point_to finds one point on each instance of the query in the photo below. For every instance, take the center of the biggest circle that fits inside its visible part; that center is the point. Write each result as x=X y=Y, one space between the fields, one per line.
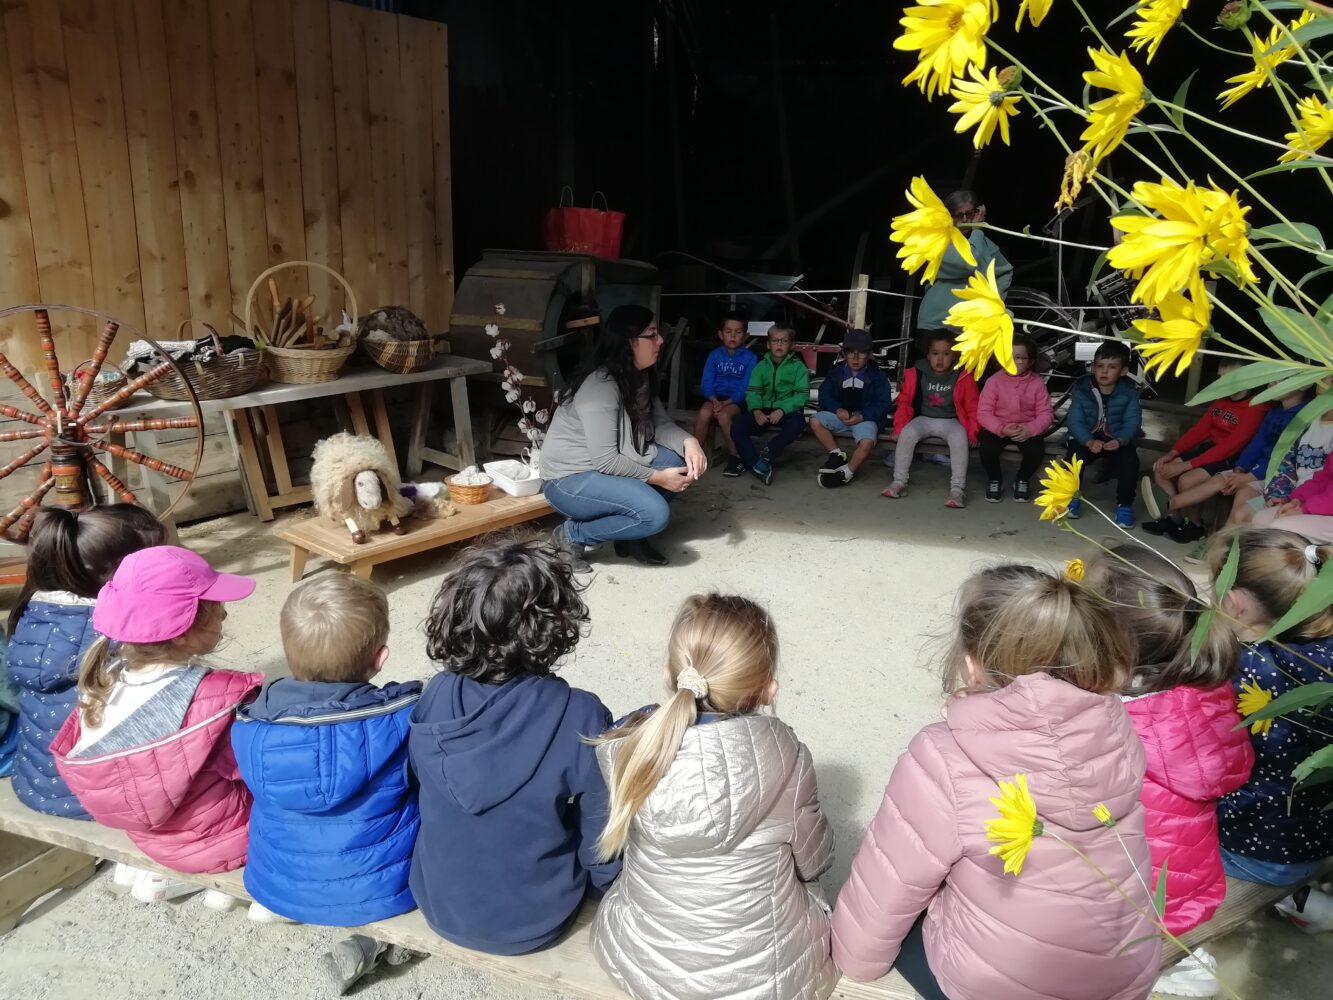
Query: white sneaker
x=1194 y=976
x=1317 y=915
x=261 y=914
x=216 y=899
x=123 y=876
x=150 y=887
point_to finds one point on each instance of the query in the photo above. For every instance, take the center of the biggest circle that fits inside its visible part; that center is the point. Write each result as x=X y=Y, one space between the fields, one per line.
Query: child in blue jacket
x=1105 y=417
x=854 y=399
x=512 y=800
x=725 y=379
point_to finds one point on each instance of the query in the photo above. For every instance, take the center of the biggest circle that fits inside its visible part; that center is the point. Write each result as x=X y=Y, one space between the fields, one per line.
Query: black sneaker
x=1160 y=526
x=835 y=461
x=734 y=467
x=832 y=479
x=1186 y=532
x=1022 y=489
x=993 y=489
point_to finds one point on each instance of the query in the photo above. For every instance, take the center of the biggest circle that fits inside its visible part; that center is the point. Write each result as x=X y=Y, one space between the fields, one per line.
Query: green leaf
x=1227 y=578
x=1127 y=12
x=1301 y=233
x=1242 y=379
x=1305 y=416
x=1279 y=389
x=1318 y=28
x=1318 y=595
x=1317 y=761
x=1318 y=272
x=1282 y=168
x=1324 y=314
x=1200 y=633
x=1223 y=268
x=1305 y=696
x=1159 y=891
x=1297 y=332
x=1181 y=100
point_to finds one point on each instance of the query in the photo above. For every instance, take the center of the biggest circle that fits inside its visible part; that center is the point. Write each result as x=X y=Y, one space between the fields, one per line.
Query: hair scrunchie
x=692 y=681
x=1312 y=556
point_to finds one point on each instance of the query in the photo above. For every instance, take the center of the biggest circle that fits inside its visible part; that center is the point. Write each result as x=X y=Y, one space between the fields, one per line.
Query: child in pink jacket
x=1184 y=710
x=149 y=749
x=1035 y=672
x=1308 y=511
x=1015 y=410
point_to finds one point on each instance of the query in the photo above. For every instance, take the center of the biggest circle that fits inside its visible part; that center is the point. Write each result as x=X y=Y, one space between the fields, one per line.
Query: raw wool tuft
x=337 y=460
x=392 y=323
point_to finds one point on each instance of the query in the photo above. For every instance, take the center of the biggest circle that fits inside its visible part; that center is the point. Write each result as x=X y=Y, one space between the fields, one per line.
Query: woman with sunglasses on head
x=613 y=458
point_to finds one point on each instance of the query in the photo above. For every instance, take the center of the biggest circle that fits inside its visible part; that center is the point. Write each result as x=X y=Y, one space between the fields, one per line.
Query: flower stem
x=1315 y=75
x=1234 y=131
x=1035 y=78
x=1096 y=32
x=1182 y=23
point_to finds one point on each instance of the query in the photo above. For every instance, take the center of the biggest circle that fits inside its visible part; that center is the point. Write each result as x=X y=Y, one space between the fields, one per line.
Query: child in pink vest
x=1015 y=410
x=149 y=749
x=1184 y=710
x=1036 y=669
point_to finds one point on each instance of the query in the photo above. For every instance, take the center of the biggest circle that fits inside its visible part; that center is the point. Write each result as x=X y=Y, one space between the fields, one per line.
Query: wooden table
x=333 y=541
x=246 y=433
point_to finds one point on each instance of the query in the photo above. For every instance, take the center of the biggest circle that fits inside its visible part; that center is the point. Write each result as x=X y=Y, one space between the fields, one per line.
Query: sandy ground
x=860 y=588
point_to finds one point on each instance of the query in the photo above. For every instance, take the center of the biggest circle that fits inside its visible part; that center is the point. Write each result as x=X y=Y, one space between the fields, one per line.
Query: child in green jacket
x=779 y=389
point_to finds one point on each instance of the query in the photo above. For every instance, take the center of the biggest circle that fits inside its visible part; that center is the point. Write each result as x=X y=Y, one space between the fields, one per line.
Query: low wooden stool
x=29 y=869
x=333 y=541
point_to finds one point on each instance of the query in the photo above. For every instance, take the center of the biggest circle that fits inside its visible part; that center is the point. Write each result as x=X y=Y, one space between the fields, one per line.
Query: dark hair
x=1158 y=607
x=1113 y=350
x=732 y=316
x=957 y=199
x=614 y=355
x=934 y=337
x=1023 y=340
x=510 y=607
x=80 y=552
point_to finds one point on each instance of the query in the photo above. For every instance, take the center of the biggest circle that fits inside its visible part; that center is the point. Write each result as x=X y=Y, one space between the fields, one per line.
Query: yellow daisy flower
x=1193 y=227
x=986 y=104
x=1109 y=119
x=947 y=36
x=988 y=329
x=1313 y=130
x=1074 y=570
x=1265 y=62
x=1061 y=487
x=1177 y=335
x=1017 y=825
x=1103 y=815
x=1036 y=11
x=1252 y=698
x=927 y=232
x=1156 y=18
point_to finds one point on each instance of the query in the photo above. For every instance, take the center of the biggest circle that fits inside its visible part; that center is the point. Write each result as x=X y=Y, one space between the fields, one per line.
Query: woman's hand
x=696 y=462
x=676 y=480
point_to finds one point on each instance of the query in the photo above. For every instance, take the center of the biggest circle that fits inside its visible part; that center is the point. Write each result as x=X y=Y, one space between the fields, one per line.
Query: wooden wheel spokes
x=27 y=507
x=26 y=388
x=52 y=363
x=123 y=492
x=148 y=378
x=87 y=379
x=21 y=435
x=17 y=414
x=114 y=426
x=25 y=458
x=155 y=464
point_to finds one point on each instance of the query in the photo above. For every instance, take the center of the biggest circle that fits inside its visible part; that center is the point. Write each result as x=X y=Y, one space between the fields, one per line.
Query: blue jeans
x=604 y=508
x=1274 y=873
x=743 y=430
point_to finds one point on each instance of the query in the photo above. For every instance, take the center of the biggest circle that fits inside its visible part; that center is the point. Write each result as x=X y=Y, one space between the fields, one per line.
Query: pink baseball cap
x=155 y=594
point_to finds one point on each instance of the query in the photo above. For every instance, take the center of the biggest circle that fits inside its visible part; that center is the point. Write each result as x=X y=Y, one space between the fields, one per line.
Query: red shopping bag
x=583 y=230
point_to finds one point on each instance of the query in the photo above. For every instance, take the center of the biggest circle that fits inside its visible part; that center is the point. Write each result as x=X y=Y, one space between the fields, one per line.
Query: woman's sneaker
x=994 y=489
x=1022 y=491
x=150 y=887
x=1194 y=976
x=835 y=461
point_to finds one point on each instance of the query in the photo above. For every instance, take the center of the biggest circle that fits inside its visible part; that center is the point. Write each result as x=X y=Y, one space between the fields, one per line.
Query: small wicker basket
x=296 y=366
x=469 y=494
x=103 y=388
x=403 y=357
x=225 y=376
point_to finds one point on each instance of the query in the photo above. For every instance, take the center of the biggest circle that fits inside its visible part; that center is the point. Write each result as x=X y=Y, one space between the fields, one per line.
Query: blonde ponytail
x=97 y=676
x=721 y=656
x=1274 y=568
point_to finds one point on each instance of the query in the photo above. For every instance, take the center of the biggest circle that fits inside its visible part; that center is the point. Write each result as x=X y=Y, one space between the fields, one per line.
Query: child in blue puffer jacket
x=70 y=557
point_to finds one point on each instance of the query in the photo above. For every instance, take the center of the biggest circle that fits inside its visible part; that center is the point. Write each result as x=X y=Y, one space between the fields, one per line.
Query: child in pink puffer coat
x=1035 y=672
x=1015 y=410
x=1184 y=709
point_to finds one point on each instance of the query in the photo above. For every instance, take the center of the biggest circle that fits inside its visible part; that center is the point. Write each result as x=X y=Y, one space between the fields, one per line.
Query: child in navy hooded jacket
x=324 y=752
x=512 y=800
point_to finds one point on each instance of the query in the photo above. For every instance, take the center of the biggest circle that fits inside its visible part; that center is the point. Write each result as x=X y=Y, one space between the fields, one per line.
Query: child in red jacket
x=1208 y=448
x=1184 y=711
x=937 y=401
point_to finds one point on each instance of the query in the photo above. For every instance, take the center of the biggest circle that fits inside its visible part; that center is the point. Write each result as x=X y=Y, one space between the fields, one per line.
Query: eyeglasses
x=655 y=335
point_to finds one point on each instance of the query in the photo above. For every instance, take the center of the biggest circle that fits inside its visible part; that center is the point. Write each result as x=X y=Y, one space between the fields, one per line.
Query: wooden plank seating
x=333 y=541
x=568 y=967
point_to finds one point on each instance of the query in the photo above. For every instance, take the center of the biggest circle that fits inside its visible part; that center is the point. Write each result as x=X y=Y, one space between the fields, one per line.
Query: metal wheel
x=75 y=433
x=1035 y=313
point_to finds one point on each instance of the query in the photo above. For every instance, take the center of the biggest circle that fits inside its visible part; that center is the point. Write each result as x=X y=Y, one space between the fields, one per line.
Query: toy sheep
x=354 y=483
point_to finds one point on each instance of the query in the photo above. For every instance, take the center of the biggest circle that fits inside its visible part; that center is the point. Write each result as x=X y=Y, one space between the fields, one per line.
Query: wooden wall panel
x=418 y=169
x=386 y=160
x=351 y=104
x=18 y=259
x=443 y=286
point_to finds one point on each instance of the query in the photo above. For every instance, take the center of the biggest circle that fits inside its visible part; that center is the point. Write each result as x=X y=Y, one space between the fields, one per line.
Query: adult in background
x=954 y=271
x=613 y=458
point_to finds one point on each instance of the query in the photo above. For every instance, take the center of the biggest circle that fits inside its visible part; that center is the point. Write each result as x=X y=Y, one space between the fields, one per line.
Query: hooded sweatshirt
x=1226 y=428
x=512 y=804
x=1056 y=930
x=335 y=812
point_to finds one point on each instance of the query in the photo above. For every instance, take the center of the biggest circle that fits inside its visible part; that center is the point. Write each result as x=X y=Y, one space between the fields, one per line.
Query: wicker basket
x=226 y=375
x=294 y=365
x=103 y=389
x=468 y=495
x=403 y=357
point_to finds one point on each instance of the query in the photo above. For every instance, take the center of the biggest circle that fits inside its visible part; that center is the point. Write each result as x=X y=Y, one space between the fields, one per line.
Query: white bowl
x=506 y=475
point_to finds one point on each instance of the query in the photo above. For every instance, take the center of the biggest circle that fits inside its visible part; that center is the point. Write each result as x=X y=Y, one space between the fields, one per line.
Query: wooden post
x=856 y=304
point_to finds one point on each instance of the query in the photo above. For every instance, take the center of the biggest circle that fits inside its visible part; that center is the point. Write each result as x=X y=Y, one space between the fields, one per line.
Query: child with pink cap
x=149 y=750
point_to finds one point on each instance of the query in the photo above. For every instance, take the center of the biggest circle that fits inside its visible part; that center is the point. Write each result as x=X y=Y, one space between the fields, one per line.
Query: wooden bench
x=333 y=541
x=567 y=967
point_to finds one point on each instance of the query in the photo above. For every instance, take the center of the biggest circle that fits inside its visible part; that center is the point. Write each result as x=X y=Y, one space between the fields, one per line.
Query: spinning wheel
x=74 y=430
